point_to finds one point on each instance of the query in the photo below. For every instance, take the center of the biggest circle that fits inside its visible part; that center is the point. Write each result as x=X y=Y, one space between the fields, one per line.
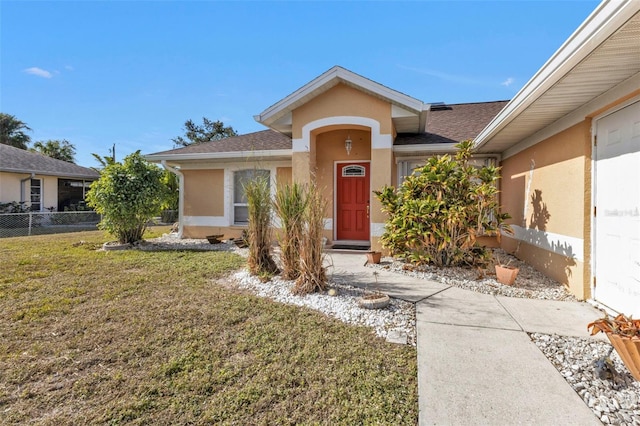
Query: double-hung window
x=240 y=205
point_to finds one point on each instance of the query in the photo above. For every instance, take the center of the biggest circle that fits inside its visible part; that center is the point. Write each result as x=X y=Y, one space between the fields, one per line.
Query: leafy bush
x=438 y=212
x=127 y=195
x=290 y=204
x=258 y=195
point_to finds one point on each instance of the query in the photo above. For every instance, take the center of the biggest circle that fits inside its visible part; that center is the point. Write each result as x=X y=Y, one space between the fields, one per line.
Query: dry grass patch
x=150 y=338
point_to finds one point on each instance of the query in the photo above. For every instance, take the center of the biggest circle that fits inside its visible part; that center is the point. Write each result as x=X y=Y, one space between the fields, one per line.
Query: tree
x=209 y=131
x=105 y=160
x=438 y=212
x=127 y=195
x=58 y=149
x=12 y=131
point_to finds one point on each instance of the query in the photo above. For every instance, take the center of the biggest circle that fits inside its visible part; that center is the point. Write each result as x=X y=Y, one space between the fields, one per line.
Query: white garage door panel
x=617 y=223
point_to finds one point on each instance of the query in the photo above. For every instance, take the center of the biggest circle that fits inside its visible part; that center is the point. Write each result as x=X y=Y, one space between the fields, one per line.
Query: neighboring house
x=42 y=182
x=570 y=145
x=356 y=136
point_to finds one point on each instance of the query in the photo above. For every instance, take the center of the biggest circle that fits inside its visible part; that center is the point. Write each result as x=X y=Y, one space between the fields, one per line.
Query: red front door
x=352 y=199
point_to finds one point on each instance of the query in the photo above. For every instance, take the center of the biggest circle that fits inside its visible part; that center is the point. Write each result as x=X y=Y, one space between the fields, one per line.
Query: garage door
x=617 y=220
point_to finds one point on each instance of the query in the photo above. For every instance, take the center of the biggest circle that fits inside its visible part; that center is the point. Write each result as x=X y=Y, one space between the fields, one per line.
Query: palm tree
x=12 y=131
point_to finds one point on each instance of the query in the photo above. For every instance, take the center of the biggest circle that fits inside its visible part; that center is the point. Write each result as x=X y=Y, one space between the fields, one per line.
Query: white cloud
x=39 y=72
x=454 y=78
x=508 y=82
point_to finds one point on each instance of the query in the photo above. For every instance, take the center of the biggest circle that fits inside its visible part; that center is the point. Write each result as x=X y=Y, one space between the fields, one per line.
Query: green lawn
x=158 y=338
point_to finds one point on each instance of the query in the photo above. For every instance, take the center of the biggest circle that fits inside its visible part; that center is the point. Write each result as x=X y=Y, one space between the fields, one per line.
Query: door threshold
x=360 y=245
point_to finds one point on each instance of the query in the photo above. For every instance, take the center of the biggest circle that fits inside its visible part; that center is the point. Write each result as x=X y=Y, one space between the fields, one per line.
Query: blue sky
x=131 y=73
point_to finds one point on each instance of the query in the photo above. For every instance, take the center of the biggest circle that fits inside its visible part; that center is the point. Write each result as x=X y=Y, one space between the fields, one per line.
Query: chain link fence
x=38 y=223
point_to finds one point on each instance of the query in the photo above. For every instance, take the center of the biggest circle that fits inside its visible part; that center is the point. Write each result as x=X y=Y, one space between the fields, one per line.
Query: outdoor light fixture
x=347 y=145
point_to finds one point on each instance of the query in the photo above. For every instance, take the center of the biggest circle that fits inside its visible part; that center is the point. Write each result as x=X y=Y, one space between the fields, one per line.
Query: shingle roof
x=454 y=123
x=446 y=124
x=21 y=161
x=264 y=140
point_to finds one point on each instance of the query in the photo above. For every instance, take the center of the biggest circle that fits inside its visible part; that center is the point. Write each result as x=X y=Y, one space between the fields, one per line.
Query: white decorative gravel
x=614 y=401
x=530 y=283
x=398 y=317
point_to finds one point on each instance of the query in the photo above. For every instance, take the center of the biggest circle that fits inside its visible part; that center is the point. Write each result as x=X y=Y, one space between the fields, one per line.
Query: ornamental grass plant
x=259 y=231
x=312 y=276
x=289 y=204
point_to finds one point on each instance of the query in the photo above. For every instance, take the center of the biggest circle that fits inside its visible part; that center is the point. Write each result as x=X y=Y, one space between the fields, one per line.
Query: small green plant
x=290 y=204
x=128 y=195
x=260 y=261
x=438 y=212
x=312 y=276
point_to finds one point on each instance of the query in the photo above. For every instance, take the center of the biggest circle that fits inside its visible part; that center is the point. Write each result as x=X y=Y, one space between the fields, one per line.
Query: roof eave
x=607 y=18
x=230 y=155
x=46 y=173
x=417 y=149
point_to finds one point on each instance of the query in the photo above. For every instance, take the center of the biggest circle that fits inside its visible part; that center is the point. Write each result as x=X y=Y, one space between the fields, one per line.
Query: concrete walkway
x=476 y=363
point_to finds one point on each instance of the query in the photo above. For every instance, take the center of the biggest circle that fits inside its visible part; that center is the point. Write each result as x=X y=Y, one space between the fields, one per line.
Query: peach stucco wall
x=284 y=176
x=546 y=189
x=204 y=192
x=342 y=100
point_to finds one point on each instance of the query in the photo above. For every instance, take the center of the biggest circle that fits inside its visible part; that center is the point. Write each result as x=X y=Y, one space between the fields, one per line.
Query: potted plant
x=624 y=334
x=505 y=273
x=374 y=256
x=375 y=300
x=215 y=239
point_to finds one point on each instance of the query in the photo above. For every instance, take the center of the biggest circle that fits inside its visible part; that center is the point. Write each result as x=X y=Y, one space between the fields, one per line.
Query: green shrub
x=127 y=195
x=289 y=204
x=258 y=194
x=438 y=212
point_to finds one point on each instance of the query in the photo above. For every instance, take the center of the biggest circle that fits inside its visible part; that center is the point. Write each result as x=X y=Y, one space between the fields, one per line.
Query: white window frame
x=407 y=166
x=40 y=195
x=234 y=203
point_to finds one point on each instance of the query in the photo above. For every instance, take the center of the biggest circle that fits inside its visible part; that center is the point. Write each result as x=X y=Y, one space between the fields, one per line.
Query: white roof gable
x=407 y=112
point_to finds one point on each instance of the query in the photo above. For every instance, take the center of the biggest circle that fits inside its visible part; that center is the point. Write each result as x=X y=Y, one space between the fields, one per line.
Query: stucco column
x=303 y=159
x=381 y=175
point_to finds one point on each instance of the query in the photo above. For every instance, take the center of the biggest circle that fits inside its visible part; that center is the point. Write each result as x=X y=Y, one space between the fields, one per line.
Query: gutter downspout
x=22 y=190
x=180 y=194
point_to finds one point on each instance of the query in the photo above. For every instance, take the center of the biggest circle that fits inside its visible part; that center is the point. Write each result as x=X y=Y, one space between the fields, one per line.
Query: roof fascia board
x=156 y=158
x=607 y=18
x=345 y=75
x=576 y=116
x=44 y=173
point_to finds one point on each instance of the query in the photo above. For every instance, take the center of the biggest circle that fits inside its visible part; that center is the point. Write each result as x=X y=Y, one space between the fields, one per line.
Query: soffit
x=611 y=63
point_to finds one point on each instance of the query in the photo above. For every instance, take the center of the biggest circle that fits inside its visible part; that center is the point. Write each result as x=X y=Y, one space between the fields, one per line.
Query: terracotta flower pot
x=506 y=274
x=374 y=256
x=629 y=350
